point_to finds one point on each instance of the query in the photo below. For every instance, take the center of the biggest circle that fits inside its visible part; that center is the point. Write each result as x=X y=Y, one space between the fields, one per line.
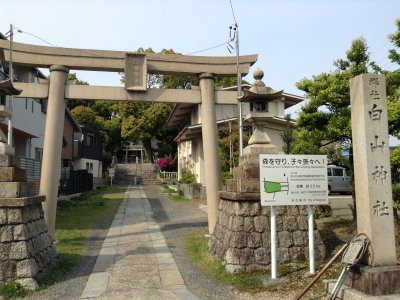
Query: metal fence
x=171 y=175
x=32 y=167
x=73 y=182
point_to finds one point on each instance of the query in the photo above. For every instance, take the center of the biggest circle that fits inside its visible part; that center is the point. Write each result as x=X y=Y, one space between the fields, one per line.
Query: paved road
x=340 y=205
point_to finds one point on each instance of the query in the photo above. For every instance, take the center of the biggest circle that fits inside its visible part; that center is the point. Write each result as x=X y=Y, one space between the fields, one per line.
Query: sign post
x=293 y=180
x=111 y=173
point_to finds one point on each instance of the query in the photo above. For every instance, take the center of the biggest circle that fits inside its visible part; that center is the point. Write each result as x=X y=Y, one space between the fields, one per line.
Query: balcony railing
x=32 y=167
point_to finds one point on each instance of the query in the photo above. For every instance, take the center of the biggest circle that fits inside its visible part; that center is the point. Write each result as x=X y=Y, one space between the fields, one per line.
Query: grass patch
x=196 y=245
x=176 y=196
x=12 y=290
x=75 y=219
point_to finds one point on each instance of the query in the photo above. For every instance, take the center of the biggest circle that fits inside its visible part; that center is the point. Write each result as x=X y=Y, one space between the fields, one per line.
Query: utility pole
x=239 y=92
x=10 y=97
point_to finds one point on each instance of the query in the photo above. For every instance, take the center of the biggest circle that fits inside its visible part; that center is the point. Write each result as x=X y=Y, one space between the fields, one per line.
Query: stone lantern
x=6 y=88
x=242 y=237
x=265 y=103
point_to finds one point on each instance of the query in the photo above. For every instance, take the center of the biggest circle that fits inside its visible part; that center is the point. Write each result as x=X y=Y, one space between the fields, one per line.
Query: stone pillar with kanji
x=373 y=187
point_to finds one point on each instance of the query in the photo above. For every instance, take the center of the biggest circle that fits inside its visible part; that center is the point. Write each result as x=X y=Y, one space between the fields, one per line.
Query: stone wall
x=27 y=251
x=146 y=174
x=193 y=191
x=242 y=236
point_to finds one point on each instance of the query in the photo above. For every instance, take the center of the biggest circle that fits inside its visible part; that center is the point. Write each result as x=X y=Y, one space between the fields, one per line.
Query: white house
x=187 y=117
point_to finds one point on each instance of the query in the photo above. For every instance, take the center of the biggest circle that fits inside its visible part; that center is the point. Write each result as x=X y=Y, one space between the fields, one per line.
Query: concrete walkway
x=135 y=261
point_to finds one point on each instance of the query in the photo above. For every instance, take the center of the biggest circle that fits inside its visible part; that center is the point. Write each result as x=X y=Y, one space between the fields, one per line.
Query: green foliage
x=228 y=138
x=75 y=219
x=227 y=81
x=395 y=165
x=176 y=196
x=322 y=211
x=144 y=121
x=12 y=290
x=287 y=135
x=102 y=116
x=71 y=104
x=87 y=117
x=188 y=177
x=396 y=195
x=226 y=175
x=334 y=155
x=196 y=245
x=325 y=118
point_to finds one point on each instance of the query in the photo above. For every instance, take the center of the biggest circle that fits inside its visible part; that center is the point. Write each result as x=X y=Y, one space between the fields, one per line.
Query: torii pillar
x=51 y=165
x=210 y=147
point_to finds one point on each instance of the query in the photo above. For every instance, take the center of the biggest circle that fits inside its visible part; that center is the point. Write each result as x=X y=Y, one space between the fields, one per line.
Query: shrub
x=166 y=163
x=188 y=177
x=225 y=176
x=396 y=195
x=322 y=211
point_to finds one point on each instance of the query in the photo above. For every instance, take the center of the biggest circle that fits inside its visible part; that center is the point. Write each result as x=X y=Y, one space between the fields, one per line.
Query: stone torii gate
x=61 y=60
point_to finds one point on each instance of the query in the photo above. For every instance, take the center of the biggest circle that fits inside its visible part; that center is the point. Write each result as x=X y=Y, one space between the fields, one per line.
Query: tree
x=87 y=117
x=287 y=135
x=145 y=121
x=325 y=119
x=71 y=104
x=101 y=118
x=393 y=92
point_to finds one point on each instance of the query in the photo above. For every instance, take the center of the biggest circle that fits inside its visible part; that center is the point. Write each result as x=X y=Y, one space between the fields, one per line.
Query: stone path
x=135 y=261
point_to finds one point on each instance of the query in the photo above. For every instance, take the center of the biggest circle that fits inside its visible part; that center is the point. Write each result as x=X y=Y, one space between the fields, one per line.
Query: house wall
x=190 y=153
x=87 y=164
x=68 y=151
x=222 y=112
x=84 y=149
x=28 y=116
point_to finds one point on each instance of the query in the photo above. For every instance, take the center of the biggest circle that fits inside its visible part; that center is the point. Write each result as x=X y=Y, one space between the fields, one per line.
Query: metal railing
x=171 y=175
x=32 y=167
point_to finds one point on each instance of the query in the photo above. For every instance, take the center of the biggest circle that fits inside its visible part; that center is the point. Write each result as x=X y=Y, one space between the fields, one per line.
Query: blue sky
x=294 y=39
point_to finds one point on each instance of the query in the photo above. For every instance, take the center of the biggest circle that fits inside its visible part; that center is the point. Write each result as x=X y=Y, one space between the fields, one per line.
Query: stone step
x=17 y=189
x=8 y=174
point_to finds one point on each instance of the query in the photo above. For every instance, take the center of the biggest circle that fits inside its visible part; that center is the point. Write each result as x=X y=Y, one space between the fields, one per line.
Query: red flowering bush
x=166 y=163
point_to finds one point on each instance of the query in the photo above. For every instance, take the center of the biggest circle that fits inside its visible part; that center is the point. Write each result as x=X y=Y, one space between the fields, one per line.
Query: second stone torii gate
x=61 y=60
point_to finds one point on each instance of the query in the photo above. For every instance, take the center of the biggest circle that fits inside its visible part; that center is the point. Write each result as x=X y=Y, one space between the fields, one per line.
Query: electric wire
x=380 y=48
x=94 y=54
x=391 y=65
x=233 y=13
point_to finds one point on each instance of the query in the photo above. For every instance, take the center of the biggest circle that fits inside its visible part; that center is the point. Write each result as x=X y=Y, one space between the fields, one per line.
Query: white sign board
x=111 y=172
x=293 y=179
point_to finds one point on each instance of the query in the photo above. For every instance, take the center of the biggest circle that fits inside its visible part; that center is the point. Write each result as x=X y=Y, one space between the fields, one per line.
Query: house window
x=2 y=99
x=43 y=105
x=90 y=141
x=89 y=166
x=39 y=153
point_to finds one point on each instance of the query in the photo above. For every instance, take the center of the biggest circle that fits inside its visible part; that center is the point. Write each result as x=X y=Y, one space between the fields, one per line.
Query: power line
x=91 y=53
x=391 y=65
x=233 y=13
x=380 y=48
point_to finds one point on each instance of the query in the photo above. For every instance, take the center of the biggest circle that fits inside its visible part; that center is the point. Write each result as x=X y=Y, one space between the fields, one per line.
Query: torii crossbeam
x=61 y=60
